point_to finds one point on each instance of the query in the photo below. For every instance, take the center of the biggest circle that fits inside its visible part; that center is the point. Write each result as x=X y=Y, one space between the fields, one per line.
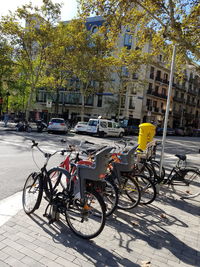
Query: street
x=17 y=162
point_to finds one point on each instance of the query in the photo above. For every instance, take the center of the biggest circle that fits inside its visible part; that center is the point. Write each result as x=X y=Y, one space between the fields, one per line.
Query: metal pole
x=167 y=108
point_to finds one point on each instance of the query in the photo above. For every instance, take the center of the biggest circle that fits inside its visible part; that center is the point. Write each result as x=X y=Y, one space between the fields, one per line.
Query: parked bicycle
x=184 y=180
x=83 y=207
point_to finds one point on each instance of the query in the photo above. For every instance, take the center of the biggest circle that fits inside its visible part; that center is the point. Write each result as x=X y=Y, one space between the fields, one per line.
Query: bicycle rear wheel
x=129 y=193
x=187 y=183
x=87 y=218
x=32 y=193
x=147 y=189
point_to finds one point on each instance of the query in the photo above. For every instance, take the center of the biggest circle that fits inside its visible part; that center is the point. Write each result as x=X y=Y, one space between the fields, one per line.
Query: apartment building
x=144 y=98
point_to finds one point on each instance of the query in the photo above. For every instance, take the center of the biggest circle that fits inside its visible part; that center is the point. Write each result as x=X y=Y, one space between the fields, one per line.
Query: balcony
x=192 y=92
x=189 y=116
x=178 y=99
x=157 y=110
x=158 y=79
x=190 y=103
x=165 y=81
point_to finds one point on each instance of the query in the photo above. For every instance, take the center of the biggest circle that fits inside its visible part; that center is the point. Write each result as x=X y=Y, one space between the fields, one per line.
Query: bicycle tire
x=129 y=193
x=53 y=182
x=147 y=189
x=187 y=185
x=34 y=185
x=77 y=214
x=156 y=166
x=110 y=196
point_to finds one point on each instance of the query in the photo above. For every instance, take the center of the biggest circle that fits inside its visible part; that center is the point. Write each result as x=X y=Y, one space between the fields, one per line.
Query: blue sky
x=69 y=9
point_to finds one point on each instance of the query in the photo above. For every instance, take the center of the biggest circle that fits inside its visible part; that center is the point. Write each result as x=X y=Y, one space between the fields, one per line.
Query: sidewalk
x=166 y=233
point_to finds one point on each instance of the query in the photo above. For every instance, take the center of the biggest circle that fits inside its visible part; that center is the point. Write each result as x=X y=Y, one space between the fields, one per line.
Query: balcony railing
x=178 y=99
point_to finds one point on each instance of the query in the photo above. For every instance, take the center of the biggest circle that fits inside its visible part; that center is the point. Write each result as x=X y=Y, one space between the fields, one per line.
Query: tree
x=30 y=43
x=6 y=67
x=157 y=21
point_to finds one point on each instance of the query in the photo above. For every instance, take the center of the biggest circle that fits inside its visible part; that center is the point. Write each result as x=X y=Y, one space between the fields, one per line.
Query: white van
x=103 y=128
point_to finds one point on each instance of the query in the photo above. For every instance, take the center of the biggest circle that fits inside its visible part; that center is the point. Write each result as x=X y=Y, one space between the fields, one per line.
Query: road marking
x=9 y=207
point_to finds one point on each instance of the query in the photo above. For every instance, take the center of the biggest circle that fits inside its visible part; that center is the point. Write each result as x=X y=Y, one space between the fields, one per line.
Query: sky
x=68 y=11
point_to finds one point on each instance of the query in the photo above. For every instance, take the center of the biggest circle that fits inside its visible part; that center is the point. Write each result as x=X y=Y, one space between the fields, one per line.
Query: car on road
x=131 y=130
x=170 y=131
x=81 y=127
x=102 y=128
x=57 y=125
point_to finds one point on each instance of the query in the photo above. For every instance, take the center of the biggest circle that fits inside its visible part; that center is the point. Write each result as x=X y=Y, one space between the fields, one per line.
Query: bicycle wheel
x=129 y=193
x=87 y=219
x=32 y=193
x=56 y=180
x=110 y=196
x=186 y=183
x=156 y=166
x=147 y=189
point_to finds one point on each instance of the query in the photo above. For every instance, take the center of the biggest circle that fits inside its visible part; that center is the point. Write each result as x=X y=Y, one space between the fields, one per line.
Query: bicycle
x=126 y=168
x=109 y=191
x=184 y=181
x=79 y=205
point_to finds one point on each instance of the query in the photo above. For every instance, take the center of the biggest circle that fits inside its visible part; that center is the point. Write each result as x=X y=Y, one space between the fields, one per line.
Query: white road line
x=9 y=207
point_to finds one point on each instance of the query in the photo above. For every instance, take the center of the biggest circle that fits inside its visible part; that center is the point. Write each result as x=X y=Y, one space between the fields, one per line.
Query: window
x=93 y=123
x=156 y=89
x=165 y=77
x=99 y=101
x=152 y=73
x=103 y=124
x=158 y=75
x=150 y=87
x=164 y=91
x=127 y=40
x=154 y=104
x=110 y=124
x=115 y=125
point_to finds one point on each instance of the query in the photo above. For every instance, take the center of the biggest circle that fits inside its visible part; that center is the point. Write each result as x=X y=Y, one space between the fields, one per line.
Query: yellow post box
x=146 y=134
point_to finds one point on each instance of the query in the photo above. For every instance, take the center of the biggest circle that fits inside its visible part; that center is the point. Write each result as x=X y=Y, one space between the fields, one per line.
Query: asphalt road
x=16 y=160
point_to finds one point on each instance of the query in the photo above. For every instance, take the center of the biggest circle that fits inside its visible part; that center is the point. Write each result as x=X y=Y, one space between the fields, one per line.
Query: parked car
x=170 y=131
x=81 y=127
x=180 y=131
x=196 y=132
x=131 y=130
x=103 y=128
x=57 y=125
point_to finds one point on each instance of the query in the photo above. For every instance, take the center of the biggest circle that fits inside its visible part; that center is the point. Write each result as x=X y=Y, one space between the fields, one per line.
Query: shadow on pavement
x=93 y=253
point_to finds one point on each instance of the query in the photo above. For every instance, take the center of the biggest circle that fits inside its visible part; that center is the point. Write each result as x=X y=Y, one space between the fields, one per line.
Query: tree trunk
x=29 y=102
x=82 y=106
x=57 y=102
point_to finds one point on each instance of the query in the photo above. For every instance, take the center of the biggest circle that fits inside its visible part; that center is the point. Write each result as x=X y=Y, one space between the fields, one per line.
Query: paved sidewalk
x=166 y=233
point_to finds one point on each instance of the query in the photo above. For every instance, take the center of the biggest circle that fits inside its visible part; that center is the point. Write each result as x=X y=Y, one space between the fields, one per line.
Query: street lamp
x=7 y=94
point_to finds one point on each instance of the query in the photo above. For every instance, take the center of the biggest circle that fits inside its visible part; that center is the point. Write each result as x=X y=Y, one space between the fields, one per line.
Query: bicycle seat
x=181 y=157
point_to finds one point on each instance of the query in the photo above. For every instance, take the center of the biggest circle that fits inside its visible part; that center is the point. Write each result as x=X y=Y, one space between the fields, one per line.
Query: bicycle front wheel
x=186 y=183
x=129 y=193
x=87 y=218
x=32 y=193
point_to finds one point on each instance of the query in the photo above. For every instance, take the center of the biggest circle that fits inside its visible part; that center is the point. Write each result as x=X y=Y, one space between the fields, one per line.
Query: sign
x=49 y=103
